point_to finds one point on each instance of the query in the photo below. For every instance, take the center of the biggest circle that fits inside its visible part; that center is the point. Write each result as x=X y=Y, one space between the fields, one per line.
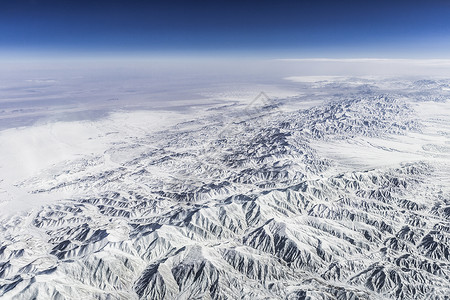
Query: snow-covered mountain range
x=345 y=197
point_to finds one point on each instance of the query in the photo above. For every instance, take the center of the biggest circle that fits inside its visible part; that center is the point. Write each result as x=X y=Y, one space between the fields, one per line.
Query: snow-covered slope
x=346 y=199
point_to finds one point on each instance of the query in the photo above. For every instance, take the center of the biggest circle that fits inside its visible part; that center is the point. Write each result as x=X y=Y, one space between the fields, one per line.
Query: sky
x=277 y=29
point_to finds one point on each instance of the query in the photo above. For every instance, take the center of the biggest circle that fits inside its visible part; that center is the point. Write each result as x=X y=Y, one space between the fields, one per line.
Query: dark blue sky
x=362 y=28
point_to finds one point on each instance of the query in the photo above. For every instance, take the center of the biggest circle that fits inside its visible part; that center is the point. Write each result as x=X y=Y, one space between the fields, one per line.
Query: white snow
x=29 y=151
x=321 y=197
